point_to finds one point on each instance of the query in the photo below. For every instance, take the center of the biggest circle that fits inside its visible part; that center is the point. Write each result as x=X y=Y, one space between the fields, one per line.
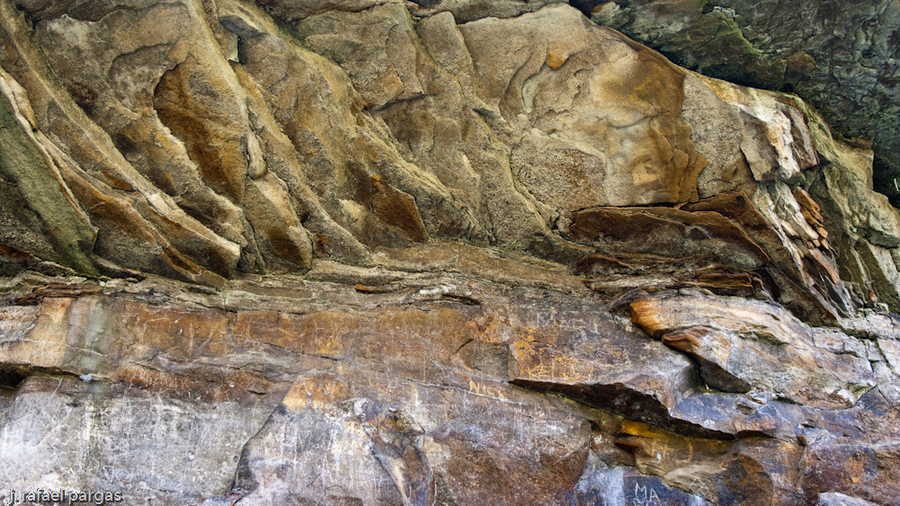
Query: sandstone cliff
x=442 y=252
x=841 y=56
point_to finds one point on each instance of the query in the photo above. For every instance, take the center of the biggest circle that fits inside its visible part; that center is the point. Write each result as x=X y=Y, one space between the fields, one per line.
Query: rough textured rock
x=838 y=499
x=296 y=401
x=842 y=58
x=436 y=252
x=761 y=347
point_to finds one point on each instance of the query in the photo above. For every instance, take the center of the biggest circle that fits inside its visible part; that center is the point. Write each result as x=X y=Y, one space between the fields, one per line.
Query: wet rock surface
x=443 y=252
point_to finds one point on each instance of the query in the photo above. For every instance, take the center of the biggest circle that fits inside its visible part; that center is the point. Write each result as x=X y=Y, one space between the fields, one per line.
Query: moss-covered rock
x=26 y=174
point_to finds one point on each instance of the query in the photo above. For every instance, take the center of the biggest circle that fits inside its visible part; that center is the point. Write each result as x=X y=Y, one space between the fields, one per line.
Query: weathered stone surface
x=621 y=486
x=384 y=252
x=57 y=435
x=840 y=59
x=353 y=386
x=748 y=344
x=421 y=130
x=866 y=472
x=415 y=453
x=640 y=95
x=32 y=184
x=838 y=499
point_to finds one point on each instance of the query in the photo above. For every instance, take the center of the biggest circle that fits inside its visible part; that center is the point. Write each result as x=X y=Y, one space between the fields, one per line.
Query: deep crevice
x=623 y=401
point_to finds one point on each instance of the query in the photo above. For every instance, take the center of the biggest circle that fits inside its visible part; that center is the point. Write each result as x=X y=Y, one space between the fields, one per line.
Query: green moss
x=728 y=32
x=22 y=164
x=720 y=49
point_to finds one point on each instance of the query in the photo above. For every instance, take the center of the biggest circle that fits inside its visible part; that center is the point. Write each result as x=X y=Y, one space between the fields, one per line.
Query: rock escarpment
x=840 y=57
x=432 y=252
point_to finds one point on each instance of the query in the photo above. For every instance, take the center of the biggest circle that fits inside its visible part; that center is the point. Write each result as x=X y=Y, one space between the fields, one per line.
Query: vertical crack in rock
x=396 y=442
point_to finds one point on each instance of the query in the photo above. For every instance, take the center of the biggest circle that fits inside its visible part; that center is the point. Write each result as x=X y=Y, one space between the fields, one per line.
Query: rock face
x=842 y=58
x=444 y=252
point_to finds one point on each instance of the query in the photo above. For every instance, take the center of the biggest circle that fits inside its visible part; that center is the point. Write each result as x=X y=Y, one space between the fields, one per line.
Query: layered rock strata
x=389 y=252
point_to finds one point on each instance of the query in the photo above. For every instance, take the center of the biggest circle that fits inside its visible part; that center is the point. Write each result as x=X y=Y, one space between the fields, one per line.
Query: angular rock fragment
x=804 y=266
x=742 y=345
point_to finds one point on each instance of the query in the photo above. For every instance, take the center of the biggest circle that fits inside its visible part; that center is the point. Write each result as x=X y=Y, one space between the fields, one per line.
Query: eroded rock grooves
x=443 y=252
x=842 y=58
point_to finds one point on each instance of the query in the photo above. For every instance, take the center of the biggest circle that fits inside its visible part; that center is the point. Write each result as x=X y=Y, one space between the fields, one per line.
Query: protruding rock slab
x=595 y=362
x=744 y=344
x=668 y=232
x=721 y=471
